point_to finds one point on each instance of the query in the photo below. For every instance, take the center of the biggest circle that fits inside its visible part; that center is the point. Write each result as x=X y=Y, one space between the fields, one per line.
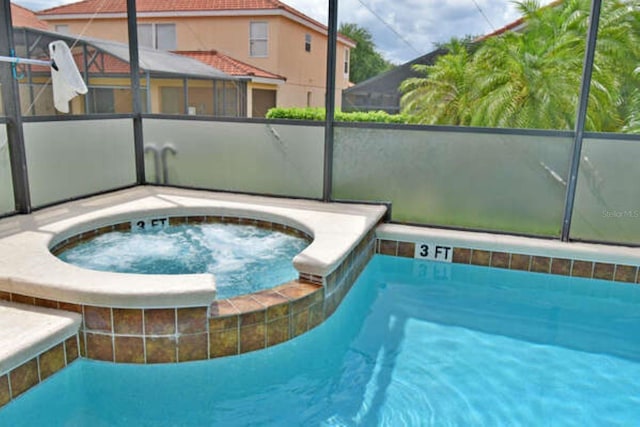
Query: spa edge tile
x=160 y=349
x=306 y=301
x=296 y=290
x=561 y=266
x=246 y=221
x=23 y=299
x=406 y=249
x=603 y=271
x=228 y=220
x=479 y=257
x=82 y=341
x=160 y=321
x=23 y=377
x=316 y=314
x=582 y=269
x=178 y=220
x=388 y=247
x=71 y=349
x=266 y=225
x=104 y=230
x=192 y=320
x=252 y=337
x=330 y=305
x=461 y=255
x=223 y=343
x=269 y=298
x=212 y=219
x=99 y=347
x=47 y=303
x=520 y=262
x=129 y=349
x=500 y=259
x=253 y=317
x=224 y=323
x=5 y=395
x=97 y=319
x=300 y=323
x=626 y=273
x=278 y=331
x=127 y=321
x=245 y=304
x=197 y=219
x=193 y=347
x=75 y=308
x=540 y=264
x=278 y=311
x=5 y=296
x=123 y=226
x=51 y=361
x=222 y=308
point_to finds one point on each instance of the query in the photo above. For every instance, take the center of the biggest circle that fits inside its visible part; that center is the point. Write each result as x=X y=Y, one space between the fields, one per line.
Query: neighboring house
x=268 y=35
x=382 y=92
x=170 y=83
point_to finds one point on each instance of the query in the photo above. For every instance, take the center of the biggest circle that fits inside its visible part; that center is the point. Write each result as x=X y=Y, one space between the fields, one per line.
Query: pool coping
x=28 y=268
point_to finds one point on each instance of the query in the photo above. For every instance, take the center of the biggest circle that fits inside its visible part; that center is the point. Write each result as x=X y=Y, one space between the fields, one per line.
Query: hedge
x=309 y=113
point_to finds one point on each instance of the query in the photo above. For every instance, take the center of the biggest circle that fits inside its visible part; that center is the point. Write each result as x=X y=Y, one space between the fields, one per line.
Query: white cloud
x=402 y=29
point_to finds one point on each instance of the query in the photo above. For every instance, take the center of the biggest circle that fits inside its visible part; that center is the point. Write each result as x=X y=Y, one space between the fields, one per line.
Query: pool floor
x=414 y=343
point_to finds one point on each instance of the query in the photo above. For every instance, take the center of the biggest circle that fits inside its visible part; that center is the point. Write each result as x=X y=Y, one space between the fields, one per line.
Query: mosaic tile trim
x=39 y=368
x=524 y=262
x=75 y=240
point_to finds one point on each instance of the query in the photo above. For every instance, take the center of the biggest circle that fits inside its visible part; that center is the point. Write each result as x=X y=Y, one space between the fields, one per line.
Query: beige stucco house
x=266 y=34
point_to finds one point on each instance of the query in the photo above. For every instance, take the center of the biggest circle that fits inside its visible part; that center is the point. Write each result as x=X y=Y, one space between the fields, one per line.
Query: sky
x=402 y=29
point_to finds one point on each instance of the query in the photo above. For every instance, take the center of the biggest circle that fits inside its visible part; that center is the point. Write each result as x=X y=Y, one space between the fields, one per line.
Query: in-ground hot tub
x=244 y=256
x=142 y=318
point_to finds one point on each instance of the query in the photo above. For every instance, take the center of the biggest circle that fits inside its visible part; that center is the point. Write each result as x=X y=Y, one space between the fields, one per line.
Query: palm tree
x=531 y=79
x=442 y=97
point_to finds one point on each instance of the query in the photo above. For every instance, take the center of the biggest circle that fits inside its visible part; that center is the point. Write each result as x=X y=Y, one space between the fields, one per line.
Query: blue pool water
x=244 y=259
x=414 y=344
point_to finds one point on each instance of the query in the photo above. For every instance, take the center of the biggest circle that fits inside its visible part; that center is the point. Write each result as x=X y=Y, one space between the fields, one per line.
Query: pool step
x=35 y=342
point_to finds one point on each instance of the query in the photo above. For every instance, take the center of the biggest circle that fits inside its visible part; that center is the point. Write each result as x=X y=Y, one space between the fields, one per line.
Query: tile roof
x=229 y=65
x=142 y=6
x=23 y=17
x=515 y=25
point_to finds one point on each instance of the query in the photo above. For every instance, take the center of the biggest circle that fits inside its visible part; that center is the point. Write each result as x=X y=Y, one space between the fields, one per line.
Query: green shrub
x=318 y=113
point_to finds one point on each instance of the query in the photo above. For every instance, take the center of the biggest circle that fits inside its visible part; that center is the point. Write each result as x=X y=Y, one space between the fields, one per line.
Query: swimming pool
x=243 y=258
x=414 y=343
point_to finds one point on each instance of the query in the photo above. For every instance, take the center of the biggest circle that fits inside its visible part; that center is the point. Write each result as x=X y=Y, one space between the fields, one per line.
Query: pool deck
x=28 y=330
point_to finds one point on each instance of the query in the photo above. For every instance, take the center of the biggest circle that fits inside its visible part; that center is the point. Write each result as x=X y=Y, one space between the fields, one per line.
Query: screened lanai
x=570 y=182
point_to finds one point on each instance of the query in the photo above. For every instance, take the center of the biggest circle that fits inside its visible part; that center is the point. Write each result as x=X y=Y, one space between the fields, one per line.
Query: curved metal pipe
x=168 y=148
x=151 y=148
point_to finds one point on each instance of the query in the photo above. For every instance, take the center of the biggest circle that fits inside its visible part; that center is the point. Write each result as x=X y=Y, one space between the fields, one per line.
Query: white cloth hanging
x=66 y=79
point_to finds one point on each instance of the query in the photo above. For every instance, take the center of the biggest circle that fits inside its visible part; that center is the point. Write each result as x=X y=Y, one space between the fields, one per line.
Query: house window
x=346 y=62
x=157 y=36
x=258 y=38
x=62 y=29
x=307 y=42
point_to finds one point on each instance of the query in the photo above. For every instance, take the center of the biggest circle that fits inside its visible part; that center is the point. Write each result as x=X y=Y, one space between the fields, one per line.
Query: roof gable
x=23 y=17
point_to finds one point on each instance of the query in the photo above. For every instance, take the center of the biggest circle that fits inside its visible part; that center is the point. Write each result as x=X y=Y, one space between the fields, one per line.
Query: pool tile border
x=525 y=262
x=37 y=369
